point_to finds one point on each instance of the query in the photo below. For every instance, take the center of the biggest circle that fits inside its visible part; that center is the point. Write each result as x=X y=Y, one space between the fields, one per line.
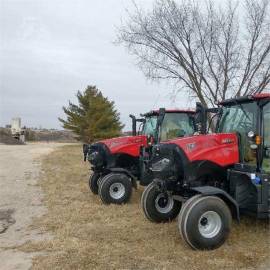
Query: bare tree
x=212 y=52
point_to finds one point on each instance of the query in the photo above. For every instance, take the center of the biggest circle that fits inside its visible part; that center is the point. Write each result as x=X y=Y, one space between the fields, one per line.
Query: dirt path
x=20 y=200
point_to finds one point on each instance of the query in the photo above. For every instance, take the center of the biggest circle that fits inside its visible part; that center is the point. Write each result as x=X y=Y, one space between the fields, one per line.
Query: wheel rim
x=209 y=224
x=117 y=190
x=164 y=204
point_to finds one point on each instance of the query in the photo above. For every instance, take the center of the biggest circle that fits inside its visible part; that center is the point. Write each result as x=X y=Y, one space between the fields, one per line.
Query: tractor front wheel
x=115 y=188
x=93 y=182
x=205 y=222
x=159 y=206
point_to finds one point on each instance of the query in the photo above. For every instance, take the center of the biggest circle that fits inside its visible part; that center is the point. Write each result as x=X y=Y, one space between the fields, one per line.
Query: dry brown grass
x=90 y=235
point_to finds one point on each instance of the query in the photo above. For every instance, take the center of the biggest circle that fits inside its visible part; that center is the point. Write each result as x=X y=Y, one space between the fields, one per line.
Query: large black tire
x=115 y=188
x=183 y=212
x=157 y=206
x=93 y=182
x=205 y=222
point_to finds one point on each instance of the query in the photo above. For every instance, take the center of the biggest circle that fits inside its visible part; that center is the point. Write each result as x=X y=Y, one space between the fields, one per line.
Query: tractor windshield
x=240 y=118
x=176 y=125
x=149 y=127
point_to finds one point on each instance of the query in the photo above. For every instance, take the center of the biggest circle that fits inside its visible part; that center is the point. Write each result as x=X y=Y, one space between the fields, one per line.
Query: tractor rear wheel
x=205 y=222
x=159 y=206
x=115 y=188
x=93 y=182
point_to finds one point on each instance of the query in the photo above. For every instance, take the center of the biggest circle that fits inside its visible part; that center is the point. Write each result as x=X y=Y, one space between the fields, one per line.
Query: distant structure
x=16 y=130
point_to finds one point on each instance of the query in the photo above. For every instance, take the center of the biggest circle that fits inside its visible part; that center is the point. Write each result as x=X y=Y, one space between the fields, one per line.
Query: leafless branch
x=211 y=51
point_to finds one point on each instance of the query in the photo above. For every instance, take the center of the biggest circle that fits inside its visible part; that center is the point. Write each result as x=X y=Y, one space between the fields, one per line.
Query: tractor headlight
x=95 y=158
x=160 y=165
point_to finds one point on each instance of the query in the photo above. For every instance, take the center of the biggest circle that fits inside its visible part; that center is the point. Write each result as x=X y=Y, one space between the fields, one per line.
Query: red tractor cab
x=217 y=176
x=117 y=163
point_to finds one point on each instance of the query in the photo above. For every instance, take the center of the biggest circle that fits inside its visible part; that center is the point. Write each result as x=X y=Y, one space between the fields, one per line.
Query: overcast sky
x=51 y=49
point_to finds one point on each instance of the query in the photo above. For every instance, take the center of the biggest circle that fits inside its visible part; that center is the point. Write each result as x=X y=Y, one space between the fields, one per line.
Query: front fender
x=127 y=172
x=229 y=200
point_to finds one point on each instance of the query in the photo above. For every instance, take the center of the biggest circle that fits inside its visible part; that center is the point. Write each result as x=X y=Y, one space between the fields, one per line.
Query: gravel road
x=20 y=200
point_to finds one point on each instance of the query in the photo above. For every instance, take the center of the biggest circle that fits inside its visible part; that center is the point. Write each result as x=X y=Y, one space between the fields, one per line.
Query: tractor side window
x=266 y=137
x=176 y=125
x=150 y=125
x=241 y=118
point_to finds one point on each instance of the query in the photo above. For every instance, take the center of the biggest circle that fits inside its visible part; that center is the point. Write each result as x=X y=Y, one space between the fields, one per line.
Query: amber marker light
x=258 y=140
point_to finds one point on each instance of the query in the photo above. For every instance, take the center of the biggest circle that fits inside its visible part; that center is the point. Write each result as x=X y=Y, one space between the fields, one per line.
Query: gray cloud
x=51 y=49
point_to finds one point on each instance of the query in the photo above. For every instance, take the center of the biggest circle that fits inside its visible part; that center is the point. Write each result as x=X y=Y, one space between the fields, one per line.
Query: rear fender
x=227 y=198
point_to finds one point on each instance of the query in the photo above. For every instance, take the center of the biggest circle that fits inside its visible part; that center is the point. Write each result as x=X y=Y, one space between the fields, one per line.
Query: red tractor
x=117 y=163
x=215 y=176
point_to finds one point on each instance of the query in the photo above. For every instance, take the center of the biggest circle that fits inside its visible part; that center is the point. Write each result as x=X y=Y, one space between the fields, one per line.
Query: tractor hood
x=127 y=144
x=221 y=148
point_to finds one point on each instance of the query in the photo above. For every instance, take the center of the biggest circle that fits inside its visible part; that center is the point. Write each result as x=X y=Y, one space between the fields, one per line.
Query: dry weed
x=90 y=235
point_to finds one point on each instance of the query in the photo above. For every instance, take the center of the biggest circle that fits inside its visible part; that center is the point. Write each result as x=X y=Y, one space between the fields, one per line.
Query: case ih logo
x=227 y=141
x=191 y=146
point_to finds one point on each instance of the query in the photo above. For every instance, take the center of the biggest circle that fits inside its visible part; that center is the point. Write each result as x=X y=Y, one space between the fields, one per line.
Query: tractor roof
x=155 y=112
x=245 y=98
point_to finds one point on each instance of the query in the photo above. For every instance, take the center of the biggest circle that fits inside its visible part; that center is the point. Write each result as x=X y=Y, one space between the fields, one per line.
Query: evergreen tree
x=94 y=118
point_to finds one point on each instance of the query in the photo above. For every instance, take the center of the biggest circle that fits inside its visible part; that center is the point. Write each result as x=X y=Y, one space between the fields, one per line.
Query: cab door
x=266 y=138
x=263 y=207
